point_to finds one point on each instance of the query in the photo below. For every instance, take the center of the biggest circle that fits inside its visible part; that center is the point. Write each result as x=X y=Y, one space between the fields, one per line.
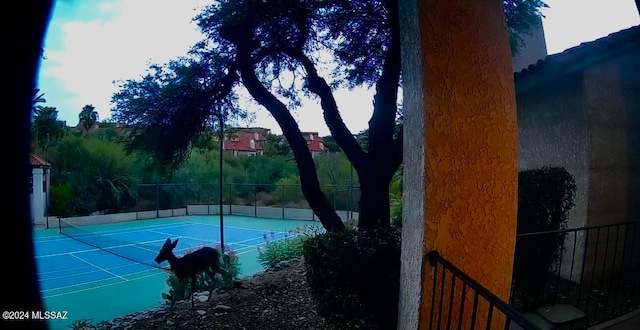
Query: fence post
x=157 y=199
x=137 y=201
x=255 y=201
x=230 y=201
x=334 y=198
x=282 y=201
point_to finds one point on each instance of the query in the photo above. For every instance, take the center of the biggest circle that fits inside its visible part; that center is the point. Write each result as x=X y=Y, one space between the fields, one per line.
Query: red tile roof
x=37 y=161
x=243 y=142
x=317 y=144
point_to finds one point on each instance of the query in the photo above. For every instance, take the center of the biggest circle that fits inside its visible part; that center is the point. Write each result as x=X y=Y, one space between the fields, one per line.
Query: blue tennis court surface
x=71 y=271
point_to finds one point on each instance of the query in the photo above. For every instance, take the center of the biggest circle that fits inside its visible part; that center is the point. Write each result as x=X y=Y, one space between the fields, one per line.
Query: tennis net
x=140 y=252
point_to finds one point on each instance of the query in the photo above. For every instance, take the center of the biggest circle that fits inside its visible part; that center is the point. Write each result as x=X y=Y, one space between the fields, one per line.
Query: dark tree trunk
x=374 y=208
x=376 y=168
x=307 y=168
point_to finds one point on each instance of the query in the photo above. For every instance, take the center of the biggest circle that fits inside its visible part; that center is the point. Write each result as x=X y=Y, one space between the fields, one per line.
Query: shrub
x=355 y=276
x=545 y=197
x=180 y=291
x=84 y=324
x=275 y=251
x=396 y=210
x=61 y=201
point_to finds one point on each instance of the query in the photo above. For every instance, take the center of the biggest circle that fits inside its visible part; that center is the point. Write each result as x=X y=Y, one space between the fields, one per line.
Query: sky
x=92 y=44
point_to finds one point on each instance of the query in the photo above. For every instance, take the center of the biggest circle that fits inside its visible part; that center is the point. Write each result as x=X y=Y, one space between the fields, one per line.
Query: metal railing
x=453 y=291
x=596 y=269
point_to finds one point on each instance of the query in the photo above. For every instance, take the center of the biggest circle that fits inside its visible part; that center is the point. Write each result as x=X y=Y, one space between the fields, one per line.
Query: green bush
x=61 y=201
x=274 y=252
x=355 y=276
x=84 y=324
x=396 y=210
x=288 y=248
x=545 y=197
x=180 y=291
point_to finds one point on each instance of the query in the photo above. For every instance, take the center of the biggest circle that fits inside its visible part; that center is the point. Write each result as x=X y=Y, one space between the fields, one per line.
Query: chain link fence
x=152 y=197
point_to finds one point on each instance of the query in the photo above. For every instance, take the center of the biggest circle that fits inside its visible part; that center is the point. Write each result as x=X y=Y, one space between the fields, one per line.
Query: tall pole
x=220 y=183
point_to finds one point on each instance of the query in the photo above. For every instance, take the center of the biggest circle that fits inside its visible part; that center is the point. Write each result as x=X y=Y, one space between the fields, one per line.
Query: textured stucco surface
x=414 y=170
x=553 y=131
x=588 y=123
x=533 y=49
x=471 y=138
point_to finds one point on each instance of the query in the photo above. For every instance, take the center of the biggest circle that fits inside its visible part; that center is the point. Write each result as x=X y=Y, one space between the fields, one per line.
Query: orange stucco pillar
x=459 y=82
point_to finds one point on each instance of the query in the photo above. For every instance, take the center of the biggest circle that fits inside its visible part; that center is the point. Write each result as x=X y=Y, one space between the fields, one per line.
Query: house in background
x=245 y=141
x=39 y=184
x=315 y=143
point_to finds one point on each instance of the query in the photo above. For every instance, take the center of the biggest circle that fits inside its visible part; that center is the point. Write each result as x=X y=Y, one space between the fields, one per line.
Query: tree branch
x=343 y=137
x=382 y=122
x=307 y=169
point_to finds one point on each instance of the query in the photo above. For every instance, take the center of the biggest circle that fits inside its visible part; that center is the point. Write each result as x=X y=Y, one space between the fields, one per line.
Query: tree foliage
x=87 y=117
x=278 y=51
x=47 y=127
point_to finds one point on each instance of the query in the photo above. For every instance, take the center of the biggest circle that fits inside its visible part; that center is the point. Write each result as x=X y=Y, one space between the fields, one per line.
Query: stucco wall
x=533 y=49
x=413 y=194
x=588 y=123
x=471 y=146
x=553 y=131
x=612 y=92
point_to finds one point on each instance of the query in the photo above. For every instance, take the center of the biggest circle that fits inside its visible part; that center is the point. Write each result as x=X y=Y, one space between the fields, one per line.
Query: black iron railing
x=596 y=269
x=459 y=302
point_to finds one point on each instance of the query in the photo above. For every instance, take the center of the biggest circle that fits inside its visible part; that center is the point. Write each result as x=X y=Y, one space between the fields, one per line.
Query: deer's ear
x=167 y=242
x=173 y=245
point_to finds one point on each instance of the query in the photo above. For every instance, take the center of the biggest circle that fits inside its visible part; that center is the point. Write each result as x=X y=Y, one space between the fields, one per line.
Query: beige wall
x=534 y=49
x=588 y=123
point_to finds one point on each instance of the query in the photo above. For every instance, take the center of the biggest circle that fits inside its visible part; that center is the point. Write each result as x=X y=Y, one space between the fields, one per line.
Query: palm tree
x=88 y=117
x=35 y=108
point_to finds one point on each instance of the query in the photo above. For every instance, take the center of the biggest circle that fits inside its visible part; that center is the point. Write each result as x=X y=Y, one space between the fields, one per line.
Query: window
x=311 y=137
x=256 y=136
x=321 y=146
x=252 y=144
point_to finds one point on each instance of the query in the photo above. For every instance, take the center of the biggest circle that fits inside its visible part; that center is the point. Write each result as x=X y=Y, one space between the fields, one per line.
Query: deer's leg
x=212 y=276
x=193 y=288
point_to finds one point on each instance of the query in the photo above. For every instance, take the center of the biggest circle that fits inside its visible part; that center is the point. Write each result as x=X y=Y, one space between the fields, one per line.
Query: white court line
x=106 y=248
x=95 y=281
x=114 y=231
x=96 y=266
x=89 y=272
x=233 y=227
x=93 y=287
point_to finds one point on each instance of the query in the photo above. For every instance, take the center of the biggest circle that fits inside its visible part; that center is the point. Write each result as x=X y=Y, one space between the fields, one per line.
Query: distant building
x=315 y=143
x=246 y=141
x=39 y=184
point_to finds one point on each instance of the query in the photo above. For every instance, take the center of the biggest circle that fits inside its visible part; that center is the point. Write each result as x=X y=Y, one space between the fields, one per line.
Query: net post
x=59 y=225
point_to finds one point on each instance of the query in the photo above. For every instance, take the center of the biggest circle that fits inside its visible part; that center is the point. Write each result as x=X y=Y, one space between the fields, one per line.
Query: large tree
x=47 y=126
x=277 y=51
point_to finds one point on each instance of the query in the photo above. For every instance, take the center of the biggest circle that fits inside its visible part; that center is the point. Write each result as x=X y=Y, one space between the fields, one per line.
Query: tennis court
x=106 y=271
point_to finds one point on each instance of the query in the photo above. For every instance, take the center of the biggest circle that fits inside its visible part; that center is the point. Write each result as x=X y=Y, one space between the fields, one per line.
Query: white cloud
x=571 y=22
x=93 y=53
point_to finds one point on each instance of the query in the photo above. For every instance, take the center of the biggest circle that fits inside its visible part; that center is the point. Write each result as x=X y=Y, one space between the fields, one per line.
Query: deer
x=205 y=259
